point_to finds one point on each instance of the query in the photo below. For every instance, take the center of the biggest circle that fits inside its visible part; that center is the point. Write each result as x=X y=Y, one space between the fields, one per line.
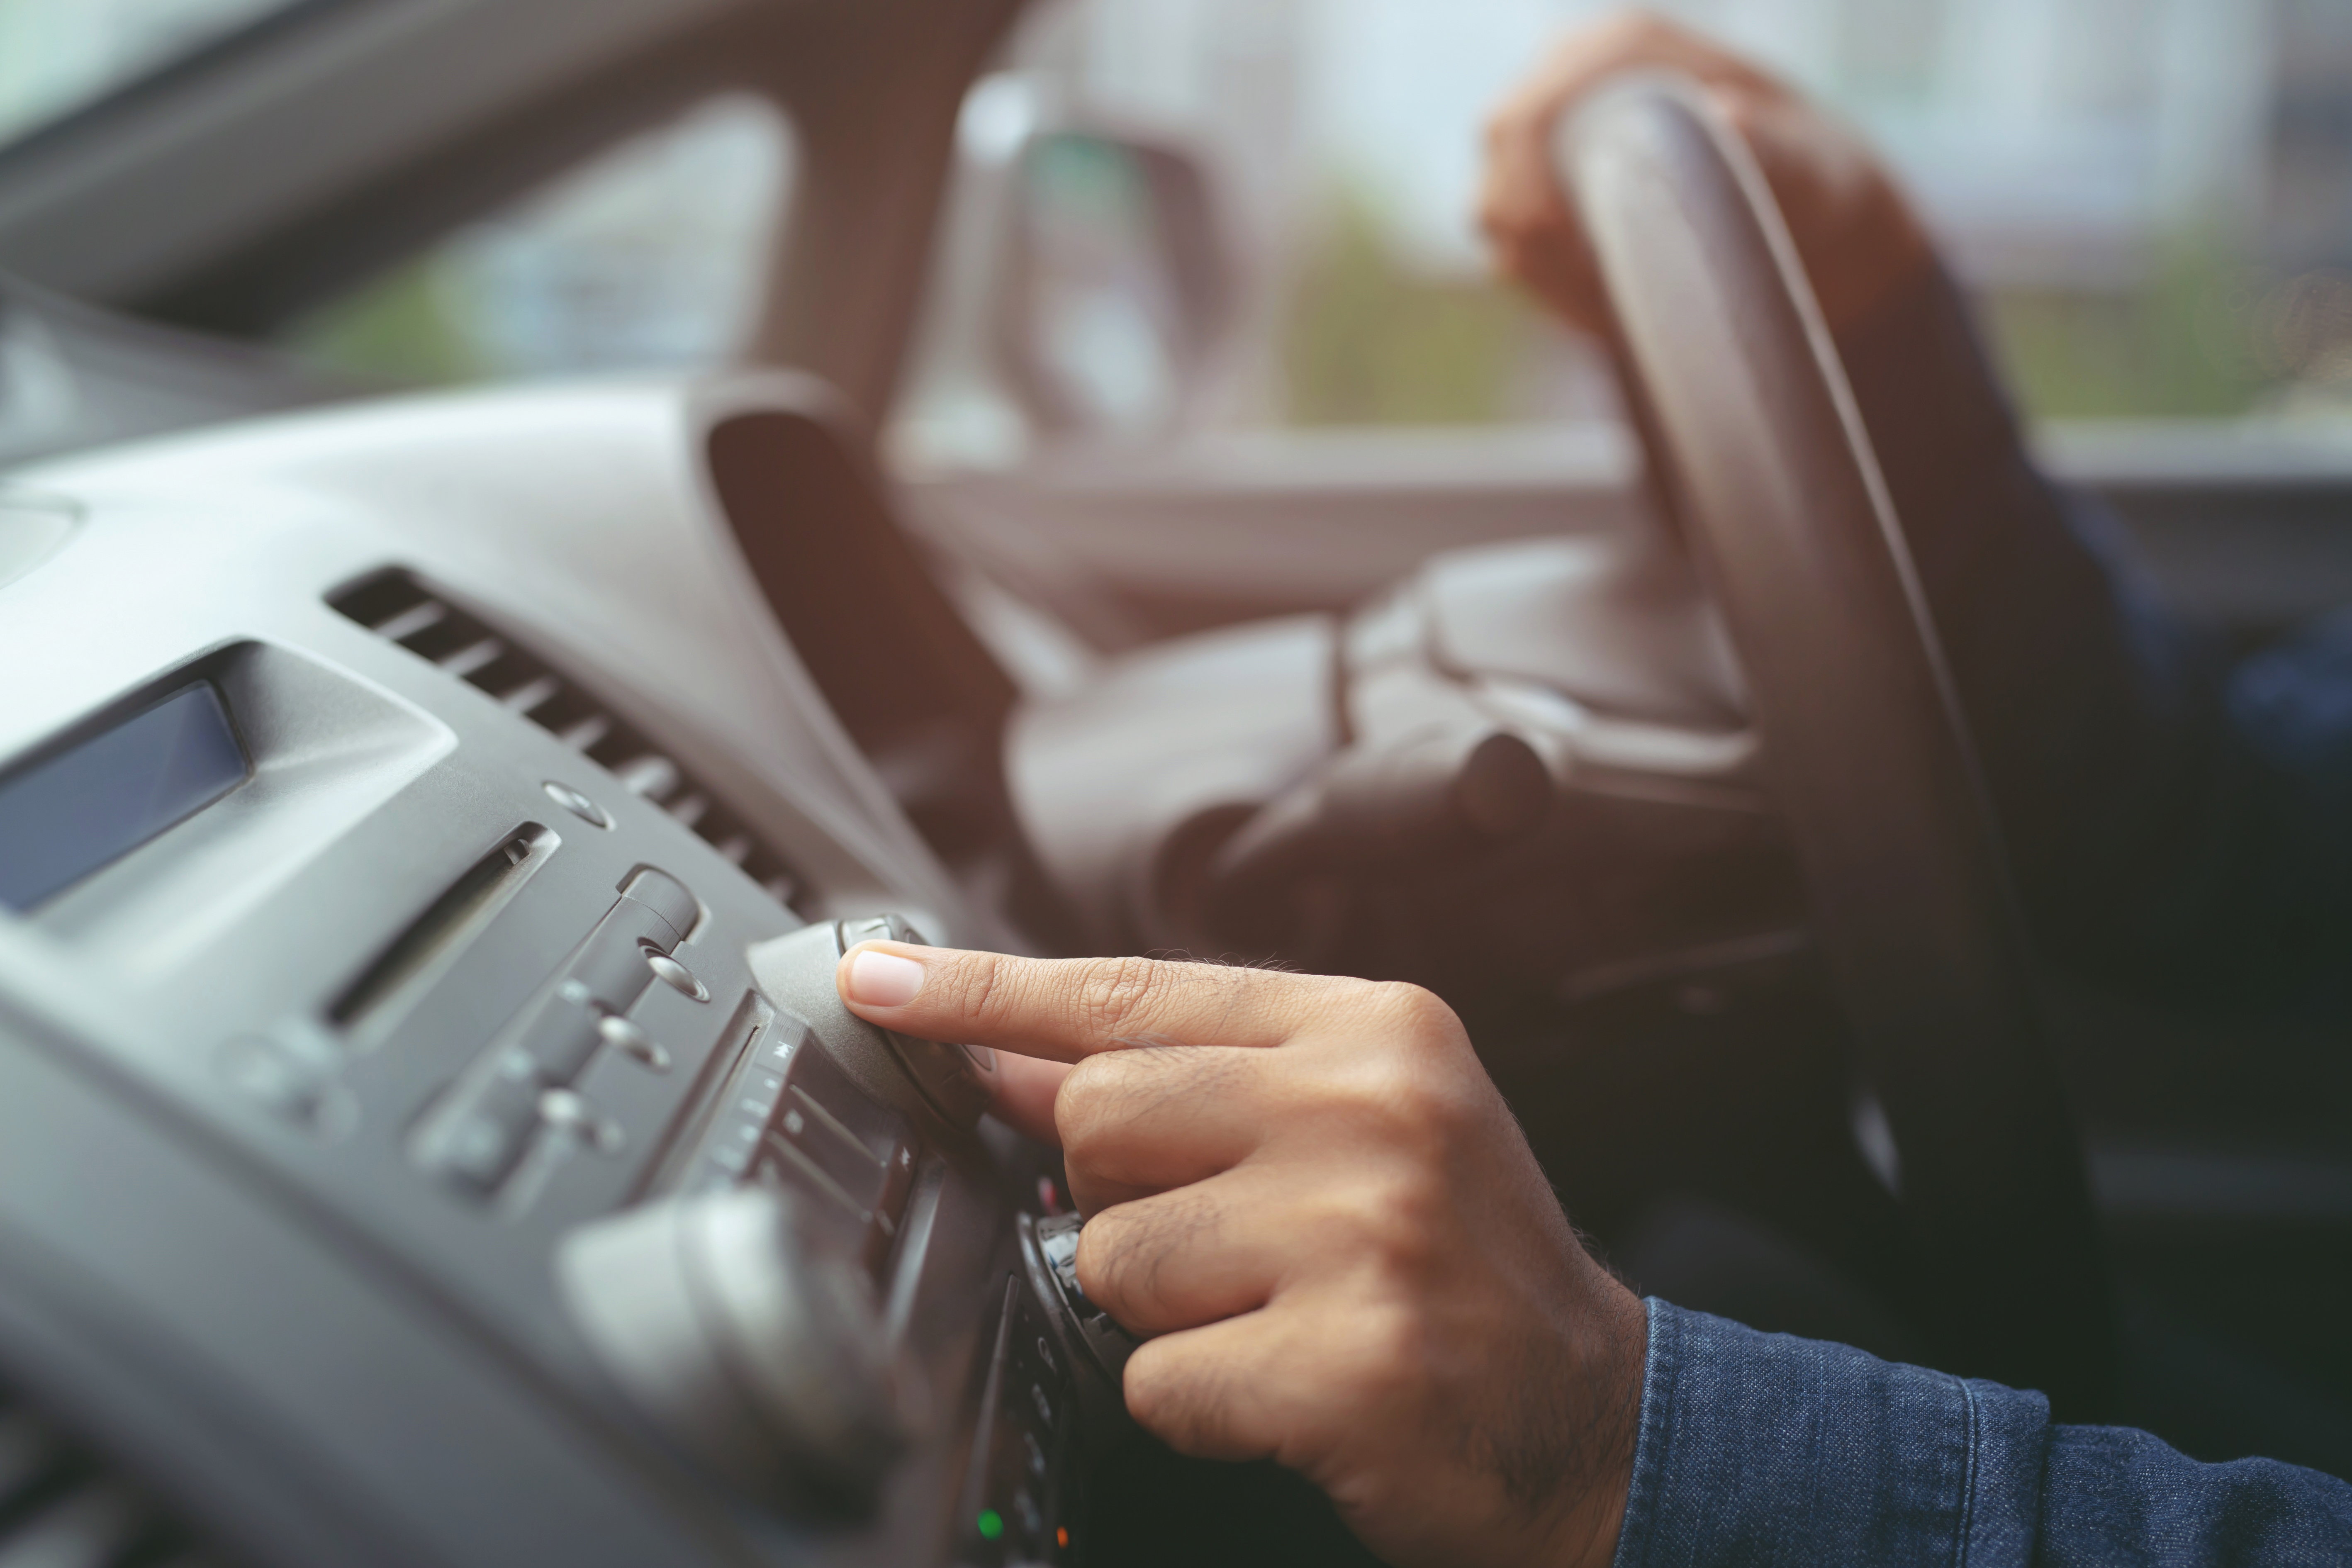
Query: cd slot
x=434 y=938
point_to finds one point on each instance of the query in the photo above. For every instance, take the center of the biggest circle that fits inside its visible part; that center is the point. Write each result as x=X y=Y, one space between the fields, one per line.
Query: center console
x=430 y=1134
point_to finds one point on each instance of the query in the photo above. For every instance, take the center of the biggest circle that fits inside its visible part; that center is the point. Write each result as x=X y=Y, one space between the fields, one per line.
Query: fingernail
x=884 y=979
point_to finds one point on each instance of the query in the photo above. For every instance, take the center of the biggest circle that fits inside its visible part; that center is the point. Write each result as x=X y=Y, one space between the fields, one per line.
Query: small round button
x=578 y=804
x=675 y=975
x=295 y=1080
x=626 y=1038
x=569 y=1111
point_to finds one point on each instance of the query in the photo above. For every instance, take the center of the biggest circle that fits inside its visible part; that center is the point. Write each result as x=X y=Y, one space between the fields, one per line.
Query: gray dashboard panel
x=222 y=1052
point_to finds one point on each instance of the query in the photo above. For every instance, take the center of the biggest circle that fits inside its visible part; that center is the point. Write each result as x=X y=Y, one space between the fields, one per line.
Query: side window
x=652 y=255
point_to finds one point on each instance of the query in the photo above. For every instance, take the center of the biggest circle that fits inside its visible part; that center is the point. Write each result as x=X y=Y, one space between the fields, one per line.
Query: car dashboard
x=425 y=857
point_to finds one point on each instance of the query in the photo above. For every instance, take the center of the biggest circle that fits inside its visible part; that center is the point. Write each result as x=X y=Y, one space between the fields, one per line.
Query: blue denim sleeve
x=1759 y=1450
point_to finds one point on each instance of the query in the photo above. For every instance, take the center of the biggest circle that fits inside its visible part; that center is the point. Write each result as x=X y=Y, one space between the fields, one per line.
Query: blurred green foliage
x=1368 y=341
x=2183 y=342
x=401 y=328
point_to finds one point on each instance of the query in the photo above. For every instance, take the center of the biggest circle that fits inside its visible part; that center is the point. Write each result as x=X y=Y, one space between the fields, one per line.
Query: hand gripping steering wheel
x=1762 y=461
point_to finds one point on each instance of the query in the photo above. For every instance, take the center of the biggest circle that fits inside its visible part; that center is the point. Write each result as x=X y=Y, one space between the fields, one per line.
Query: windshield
x=2147 y=198
x=58 y=55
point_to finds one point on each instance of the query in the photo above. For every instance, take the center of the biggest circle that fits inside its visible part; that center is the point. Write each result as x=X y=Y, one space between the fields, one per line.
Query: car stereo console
x=428 y=1131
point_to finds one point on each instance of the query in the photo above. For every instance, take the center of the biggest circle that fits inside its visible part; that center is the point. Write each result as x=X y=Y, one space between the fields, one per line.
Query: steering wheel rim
x=1762 y=463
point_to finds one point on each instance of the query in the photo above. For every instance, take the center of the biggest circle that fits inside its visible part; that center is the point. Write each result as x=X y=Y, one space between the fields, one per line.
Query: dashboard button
x=484 y=1132
x=1106 y=1341
x=564 y=1035
x=612 y=966
x=294 y=1078
x=812 y=1129
x=879 y=1129
x=665 y=897
x=675 y=976
x=567 y=1111
x=578 y=804
x=628 y=1038
x=898 y=1182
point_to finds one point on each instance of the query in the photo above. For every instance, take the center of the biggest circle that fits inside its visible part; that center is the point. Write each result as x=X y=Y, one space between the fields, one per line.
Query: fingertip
x=880 y=976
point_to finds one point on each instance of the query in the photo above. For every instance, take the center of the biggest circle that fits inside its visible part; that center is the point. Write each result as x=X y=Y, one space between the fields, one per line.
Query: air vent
x=397 y=606
x=59 y=1506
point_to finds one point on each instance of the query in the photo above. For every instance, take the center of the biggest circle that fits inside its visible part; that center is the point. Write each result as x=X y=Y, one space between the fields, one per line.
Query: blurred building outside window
x=58 y=55
x=2150 y=199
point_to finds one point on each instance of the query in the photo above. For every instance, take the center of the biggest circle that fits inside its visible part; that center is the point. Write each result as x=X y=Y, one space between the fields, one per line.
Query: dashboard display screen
x=66 y=816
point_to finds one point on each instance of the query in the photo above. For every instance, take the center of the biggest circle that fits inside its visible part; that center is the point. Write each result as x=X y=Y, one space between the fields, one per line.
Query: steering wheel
x=1764 y=467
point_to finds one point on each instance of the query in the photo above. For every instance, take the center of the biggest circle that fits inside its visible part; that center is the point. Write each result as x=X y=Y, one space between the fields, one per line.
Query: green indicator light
x=992 y=1524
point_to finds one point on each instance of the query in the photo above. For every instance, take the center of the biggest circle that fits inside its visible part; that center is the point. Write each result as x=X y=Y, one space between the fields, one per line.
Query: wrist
x=1592 y=1509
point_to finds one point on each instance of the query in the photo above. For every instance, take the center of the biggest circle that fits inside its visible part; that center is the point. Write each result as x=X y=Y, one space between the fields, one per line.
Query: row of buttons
x=1023 y=1505
x=1103 y=1337
x=793 y=1118
x=520 y=1089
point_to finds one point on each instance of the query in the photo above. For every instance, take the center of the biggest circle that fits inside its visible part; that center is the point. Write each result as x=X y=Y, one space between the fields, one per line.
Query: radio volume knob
x=795 y=972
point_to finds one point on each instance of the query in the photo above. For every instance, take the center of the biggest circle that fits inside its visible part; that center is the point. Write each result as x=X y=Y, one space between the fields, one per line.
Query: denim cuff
x=1762 y=1448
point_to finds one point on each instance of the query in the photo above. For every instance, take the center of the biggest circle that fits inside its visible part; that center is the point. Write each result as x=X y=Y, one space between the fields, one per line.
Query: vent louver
x=397 y=607
x=59 y=1507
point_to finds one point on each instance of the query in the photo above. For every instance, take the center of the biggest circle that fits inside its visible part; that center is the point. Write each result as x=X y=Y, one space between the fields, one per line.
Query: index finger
x=1068 y=1008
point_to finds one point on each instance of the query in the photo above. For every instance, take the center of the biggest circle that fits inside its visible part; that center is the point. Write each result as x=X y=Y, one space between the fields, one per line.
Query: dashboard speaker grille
x=60 y=1508
x=395 y=606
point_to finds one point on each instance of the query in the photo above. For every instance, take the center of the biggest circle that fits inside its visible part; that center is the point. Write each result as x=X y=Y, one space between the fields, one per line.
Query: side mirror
x=1114 y=289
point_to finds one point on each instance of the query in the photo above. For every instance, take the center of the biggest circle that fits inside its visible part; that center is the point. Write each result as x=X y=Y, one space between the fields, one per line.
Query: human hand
x=1857 y=235
x=1309 y=1197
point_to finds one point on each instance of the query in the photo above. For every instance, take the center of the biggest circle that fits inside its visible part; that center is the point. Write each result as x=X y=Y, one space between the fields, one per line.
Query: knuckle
x=1151 y=1392
x=1112 y=993
x=1145 y=1234
x=1419 y=1013
x=1105 y=1256
x=1086 y=1111
x=1385 y=1338
x=1369 y=1366
x=1405 y=1237
x=1389 y=1350
x=1174 y=1398
x=1390 y=1225
x=1514 y=122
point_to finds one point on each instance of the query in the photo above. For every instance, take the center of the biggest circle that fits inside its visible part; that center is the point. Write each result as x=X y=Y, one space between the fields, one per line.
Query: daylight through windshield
x=58 y=55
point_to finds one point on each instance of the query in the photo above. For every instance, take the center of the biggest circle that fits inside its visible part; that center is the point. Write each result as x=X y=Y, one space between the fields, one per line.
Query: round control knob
x=957 y=1079
x=754 y=1349
x=795 y=972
